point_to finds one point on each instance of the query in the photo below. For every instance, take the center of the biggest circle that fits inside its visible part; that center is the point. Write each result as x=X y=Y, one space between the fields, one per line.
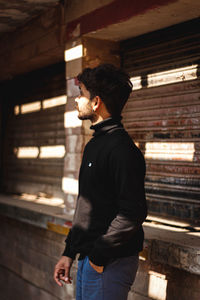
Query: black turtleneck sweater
x=111 y=205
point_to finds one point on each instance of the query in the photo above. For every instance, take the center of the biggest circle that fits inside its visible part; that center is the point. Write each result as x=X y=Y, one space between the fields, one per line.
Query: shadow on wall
x=161 y=282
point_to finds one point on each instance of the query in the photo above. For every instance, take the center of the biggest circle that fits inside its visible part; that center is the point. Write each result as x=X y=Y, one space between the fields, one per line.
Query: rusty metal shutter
x=163 y=116
x=43 y=127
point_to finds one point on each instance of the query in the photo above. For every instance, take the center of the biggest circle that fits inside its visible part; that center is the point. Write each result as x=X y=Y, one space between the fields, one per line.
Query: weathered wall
x=27 y=265
x=114 y=12
x=41 y=41
x=38 y=44
x=28 y=255
x=16 y=13
x=162 y=115
x=41 y=128
x=31 y=252
x=161 y=282
x=74 y=9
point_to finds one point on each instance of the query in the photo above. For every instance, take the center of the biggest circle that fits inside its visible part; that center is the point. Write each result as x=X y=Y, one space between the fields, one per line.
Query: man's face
x=84 y=104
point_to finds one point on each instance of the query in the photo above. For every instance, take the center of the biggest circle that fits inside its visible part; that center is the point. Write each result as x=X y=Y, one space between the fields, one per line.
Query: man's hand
x=62 y=270
x=98 y=269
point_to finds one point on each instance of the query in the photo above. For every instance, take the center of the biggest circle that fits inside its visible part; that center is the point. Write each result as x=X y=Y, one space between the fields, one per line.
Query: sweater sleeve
x=126 y=169
x=68 y=249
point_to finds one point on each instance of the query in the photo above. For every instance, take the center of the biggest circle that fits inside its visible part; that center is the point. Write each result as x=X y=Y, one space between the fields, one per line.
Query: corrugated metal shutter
x=27 y=133
x=162 y=116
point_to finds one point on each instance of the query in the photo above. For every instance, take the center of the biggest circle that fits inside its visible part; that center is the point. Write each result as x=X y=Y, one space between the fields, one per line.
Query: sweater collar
x=106 y=125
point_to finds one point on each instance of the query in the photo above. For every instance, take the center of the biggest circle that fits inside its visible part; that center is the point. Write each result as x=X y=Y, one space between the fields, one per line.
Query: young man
x=111 y=207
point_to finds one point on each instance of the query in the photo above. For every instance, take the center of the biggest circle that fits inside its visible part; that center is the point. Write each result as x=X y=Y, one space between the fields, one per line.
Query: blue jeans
x=113 y=284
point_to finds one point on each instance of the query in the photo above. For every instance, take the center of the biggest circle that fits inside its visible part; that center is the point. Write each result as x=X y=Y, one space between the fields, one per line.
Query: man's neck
x=100 y=118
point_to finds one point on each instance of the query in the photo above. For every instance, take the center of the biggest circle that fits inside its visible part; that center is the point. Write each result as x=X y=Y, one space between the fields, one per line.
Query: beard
x=87 y=114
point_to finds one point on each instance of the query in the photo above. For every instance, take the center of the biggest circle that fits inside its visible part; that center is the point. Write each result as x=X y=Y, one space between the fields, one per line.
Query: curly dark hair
x=111 y=84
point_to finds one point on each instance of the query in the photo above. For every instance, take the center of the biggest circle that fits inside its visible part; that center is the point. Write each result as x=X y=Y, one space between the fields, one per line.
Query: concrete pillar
x=79 y=54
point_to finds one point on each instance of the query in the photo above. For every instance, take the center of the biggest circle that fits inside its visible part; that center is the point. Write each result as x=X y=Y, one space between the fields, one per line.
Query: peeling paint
x=62 y=229
x=104 y=16
x=17 y=12
x=14 y=14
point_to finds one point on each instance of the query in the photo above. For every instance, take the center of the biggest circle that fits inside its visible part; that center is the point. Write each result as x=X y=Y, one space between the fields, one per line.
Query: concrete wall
x=161 y=282
x=29 y=253
x=38 y=44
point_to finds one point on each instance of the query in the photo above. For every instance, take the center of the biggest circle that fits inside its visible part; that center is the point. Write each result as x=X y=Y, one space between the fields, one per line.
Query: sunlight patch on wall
x=42 y=200
x=74 y=53
x=170 y=151
x=165 y=228
x=172 y=76
x=72 y=120
x=137 y=82
x=36 y=106
x=52 y=151
x=16 y=110
x=26 y=152
x=57 y=151
x=157 y=288
x=70 y=185
x=30 y=107
x=52 y=102
x=50 y=201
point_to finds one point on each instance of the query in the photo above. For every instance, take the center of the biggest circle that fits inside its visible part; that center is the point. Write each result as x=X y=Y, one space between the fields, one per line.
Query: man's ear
x=96 y=102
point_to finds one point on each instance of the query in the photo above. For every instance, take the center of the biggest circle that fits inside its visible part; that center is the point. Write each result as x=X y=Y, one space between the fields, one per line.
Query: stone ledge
x=177 y=247
x=40 y=215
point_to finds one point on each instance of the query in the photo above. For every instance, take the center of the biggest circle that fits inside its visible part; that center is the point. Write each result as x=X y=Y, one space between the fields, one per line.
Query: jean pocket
x=91 y=268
